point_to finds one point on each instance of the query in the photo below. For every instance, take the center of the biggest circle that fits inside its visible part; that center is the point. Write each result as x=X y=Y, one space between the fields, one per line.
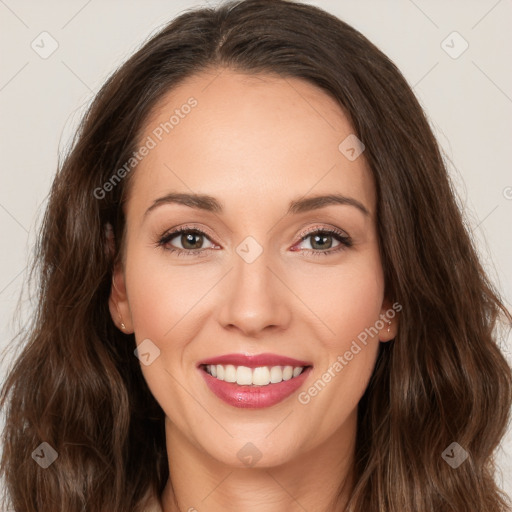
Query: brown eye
x=191 y=240
x=322 y=241
x=185 y=241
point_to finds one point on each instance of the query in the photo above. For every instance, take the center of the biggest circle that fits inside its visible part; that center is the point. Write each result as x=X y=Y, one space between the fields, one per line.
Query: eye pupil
x=188 y=238
x=323 y=237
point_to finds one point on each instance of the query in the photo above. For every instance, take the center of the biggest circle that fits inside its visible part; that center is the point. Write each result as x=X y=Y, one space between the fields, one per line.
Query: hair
x=76 y=383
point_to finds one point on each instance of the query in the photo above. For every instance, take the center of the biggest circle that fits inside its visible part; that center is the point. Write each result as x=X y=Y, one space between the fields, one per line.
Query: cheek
x=346 y=298
x=163 y=303
x=350 y=309
x=161 y=295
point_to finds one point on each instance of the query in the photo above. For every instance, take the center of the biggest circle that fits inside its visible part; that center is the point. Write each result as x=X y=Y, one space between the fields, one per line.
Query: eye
x=322 y=241
x=189 y=240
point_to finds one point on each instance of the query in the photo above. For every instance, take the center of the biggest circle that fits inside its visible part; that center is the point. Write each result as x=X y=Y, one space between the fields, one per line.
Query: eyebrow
x=210 y=204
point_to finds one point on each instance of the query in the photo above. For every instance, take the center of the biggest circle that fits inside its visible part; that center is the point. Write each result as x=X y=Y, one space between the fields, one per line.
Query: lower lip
x=254 y=397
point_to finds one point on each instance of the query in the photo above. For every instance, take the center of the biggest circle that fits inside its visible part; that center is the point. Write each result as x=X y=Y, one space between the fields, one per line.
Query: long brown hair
x=77 y=385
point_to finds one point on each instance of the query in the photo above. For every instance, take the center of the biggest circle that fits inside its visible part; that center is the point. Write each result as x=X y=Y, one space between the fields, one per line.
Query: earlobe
x=388 y=332
x=388 y=323
x=118 y=303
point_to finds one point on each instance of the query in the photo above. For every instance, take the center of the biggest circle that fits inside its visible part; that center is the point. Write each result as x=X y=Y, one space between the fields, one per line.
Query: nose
x=255 y=297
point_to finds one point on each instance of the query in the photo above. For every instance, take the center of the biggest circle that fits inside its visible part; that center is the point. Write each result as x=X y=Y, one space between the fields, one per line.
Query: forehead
x=250 y=139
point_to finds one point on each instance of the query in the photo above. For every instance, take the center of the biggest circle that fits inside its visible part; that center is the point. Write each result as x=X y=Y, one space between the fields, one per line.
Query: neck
x=319 y=479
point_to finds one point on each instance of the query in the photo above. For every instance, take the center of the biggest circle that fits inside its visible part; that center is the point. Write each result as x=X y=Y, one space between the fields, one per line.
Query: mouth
x=254 y=381
x=259 y=376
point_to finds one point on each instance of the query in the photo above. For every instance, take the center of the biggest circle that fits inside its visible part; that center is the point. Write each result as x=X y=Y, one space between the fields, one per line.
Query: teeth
x=229 y=373
x=287 y=372
x=297 y=371
x=243 y=376
x=261 y=376
x=276 y=374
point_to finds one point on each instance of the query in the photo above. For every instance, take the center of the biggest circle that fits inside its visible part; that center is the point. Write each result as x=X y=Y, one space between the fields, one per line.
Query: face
x=262 y=267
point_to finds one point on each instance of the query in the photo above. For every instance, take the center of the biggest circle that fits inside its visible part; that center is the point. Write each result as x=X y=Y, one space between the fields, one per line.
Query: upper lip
x=254 y=361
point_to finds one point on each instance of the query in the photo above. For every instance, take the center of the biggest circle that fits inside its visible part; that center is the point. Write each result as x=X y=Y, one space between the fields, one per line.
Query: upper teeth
x=260 y=376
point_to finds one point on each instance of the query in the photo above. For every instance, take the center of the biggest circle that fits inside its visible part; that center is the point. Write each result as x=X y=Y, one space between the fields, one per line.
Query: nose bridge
x=253 y=299
x=251 y=272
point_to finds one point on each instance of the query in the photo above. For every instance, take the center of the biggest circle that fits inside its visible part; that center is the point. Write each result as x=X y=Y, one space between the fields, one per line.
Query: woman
x=257 y=291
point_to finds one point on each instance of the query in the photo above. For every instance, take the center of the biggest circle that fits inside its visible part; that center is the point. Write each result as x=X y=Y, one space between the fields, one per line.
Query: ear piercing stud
x=123 y=327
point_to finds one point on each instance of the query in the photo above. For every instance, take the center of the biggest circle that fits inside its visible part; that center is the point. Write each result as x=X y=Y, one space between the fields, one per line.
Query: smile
x=259 y=376
x=253 y=381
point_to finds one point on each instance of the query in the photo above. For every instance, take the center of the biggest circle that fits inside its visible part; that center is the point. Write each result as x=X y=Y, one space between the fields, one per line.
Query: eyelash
x=345 y=241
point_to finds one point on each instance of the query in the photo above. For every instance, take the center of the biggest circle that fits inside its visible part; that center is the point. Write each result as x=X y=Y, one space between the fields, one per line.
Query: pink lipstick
x=257 y=381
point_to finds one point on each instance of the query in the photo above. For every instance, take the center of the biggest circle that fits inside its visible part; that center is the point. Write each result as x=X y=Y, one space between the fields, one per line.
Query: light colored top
x=153 y=505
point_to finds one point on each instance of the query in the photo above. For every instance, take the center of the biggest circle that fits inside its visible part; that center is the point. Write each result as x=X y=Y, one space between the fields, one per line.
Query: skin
x=255 y=143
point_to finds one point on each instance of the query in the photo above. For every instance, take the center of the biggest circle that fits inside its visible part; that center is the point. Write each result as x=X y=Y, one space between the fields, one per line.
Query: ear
x=389 y=316
x=118 y=300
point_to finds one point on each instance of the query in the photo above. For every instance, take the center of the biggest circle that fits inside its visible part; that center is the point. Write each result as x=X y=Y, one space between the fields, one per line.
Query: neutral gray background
x=468 y=100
